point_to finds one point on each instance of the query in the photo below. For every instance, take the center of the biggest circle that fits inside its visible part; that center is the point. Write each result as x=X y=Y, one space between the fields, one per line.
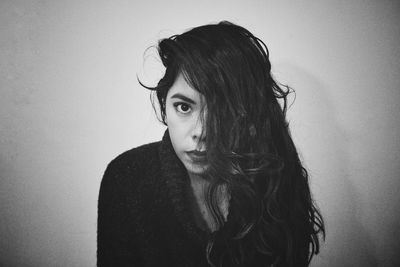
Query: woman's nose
x=198 y=133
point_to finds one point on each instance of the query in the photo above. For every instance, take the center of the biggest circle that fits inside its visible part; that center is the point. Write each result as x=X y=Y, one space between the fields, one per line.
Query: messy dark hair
x=272 y=216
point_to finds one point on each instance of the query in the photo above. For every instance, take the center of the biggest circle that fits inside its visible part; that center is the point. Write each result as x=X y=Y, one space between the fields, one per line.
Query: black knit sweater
x=145 y=211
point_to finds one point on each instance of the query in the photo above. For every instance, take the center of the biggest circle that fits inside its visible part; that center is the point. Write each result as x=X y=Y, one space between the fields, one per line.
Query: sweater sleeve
x=115 y=239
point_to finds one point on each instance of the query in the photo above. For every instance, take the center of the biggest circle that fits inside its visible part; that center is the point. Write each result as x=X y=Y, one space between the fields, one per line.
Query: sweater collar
x=179 y=189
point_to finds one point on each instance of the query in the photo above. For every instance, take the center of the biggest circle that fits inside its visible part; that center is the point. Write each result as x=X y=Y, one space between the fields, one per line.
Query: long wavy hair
x=272 y=217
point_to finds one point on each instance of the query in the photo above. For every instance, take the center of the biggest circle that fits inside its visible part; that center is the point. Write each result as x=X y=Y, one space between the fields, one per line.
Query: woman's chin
x=196 y=169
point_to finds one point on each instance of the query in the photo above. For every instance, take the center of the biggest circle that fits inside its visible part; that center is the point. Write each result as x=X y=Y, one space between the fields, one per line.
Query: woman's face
x=183 y=116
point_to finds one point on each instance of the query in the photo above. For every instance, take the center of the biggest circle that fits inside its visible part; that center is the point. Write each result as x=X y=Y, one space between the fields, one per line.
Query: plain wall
x=70 y=102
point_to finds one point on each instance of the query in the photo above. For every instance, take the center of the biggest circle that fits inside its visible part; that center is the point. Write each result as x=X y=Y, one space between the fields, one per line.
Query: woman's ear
x=164 y=103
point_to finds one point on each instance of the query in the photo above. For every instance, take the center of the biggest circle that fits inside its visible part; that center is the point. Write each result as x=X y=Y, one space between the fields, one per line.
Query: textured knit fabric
x=145 y=211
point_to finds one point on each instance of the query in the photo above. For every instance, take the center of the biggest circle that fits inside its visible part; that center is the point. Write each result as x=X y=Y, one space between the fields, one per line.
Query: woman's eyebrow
x=184 y=98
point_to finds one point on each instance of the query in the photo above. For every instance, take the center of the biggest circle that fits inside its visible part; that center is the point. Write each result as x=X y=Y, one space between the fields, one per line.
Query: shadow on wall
x=324 y=147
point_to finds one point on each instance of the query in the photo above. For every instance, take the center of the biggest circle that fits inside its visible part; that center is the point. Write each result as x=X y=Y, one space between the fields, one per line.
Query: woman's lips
x=197 y=156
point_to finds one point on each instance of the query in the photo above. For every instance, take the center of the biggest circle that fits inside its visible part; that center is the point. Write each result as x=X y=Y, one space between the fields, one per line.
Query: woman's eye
x=182 y=108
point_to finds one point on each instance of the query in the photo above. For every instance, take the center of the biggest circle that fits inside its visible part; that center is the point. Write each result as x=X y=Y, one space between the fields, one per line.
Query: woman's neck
x=200 y=186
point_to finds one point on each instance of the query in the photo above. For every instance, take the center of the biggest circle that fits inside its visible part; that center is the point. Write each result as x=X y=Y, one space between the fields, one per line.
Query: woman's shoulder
x=134 y=164
x=139 y=155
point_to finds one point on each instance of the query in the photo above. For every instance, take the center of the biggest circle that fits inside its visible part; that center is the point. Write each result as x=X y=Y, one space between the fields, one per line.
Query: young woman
x=225 y=186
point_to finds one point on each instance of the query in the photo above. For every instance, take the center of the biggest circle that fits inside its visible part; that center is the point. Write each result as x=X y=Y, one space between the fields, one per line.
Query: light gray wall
x=70 y=102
